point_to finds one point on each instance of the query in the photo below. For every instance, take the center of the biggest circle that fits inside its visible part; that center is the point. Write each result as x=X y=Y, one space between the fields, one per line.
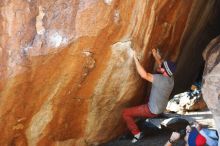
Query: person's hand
x=156 y=53
x=188 y=129
x=175 y=136
x=197 y=125
x=134 y=54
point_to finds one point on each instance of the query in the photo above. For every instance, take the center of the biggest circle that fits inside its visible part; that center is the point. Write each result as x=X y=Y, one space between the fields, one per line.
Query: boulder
x=211 y=79
x=66 y=71
x=187 y=101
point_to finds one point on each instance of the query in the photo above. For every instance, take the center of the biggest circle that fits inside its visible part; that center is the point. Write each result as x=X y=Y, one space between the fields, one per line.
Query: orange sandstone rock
x=66 y=68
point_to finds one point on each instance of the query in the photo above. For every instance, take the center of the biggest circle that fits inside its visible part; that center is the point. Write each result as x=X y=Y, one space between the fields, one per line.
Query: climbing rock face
x=211 y=79
x=66 y=68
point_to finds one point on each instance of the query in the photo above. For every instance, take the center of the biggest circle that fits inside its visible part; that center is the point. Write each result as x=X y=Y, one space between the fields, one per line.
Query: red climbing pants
x=138 y=111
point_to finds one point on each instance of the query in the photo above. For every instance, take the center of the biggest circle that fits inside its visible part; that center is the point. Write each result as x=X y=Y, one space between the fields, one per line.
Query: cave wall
x=66 y=70
x=203 y=26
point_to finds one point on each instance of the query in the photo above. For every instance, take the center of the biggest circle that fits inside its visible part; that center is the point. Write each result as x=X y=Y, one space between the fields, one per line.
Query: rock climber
x=162 y=86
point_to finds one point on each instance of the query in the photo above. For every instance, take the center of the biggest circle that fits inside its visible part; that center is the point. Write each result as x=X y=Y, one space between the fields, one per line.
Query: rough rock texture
x=186 y=101
x=65 y=68
x=211 y=79
x=203 y=26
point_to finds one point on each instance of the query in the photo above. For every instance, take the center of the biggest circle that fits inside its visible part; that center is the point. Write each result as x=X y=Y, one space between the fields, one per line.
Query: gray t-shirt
x=161 y=89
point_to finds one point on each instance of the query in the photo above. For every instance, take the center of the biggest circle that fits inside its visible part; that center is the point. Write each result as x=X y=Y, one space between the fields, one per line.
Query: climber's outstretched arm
x=145 y=75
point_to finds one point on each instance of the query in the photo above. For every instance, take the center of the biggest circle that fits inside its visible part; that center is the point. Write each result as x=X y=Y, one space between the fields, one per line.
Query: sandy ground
x=157 y=137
